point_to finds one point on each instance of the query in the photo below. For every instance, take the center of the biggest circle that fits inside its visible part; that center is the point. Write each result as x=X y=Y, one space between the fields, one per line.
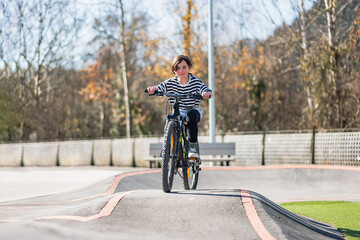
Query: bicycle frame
x=181 y=134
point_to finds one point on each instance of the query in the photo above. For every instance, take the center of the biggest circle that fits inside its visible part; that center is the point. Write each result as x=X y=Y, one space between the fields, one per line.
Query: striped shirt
x=173 y=85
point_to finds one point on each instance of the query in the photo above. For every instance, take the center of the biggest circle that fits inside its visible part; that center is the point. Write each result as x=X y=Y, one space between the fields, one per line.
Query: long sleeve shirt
x=195 y=85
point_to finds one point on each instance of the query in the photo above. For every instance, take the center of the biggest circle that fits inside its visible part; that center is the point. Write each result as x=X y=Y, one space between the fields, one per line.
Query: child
x=185 y=82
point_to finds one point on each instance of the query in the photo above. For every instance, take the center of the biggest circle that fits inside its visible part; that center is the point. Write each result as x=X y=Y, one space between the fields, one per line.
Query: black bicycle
x=176 y=147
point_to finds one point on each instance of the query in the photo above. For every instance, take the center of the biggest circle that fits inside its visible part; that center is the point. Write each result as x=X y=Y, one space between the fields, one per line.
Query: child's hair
x=178 y=59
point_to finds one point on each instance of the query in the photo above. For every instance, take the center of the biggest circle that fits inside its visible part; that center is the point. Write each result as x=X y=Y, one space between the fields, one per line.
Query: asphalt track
x=230 y=203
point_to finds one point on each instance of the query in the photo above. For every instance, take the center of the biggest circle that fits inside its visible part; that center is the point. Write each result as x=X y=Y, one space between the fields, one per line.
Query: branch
x=290 y=69
x=308 y=26
x=343 y=7
x=267 y=12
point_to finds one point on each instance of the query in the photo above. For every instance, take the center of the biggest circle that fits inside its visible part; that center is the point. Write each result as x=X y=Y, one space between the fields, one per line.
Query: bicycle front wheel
x=168 y=157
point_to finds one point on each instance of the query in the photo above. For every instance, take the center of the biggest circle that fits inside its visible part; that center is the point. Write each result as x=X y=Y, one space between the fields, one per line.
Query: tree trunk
x=334 y=76
x=331 y=19
x=101 y=119
x=303 y=32
x=307 y=83
x=187 y=28
x=123 y=70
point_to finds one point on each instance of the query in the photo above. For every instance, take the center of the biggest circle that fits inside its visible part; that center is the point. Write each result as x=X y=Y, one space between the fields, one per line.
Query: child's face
x=182 y=69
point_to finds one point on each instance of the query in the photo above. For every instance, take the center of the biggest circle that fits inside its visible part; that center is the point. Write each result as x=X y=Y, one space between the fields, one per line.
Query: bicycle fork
x=177 y=143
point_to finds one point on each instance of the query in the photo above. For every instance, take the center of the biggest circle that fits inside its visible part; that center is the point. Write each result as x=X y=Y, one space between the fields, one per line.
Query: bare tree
x=37 y=36
x=123 y=69
x=187 y=27
x=123 y=33
x=304 y=51
x=334 y=9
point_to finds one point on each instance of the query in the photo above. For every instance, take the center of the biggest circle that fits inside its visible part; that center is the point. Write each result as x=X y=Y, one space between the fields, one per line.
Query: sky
x=242 y=19
x=254 y=13
x=245 y=19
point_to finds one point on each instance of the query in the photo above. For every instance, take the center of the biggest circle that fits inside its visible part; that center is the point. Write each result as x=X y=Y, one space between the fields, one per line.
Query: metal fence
x=340 y=148
x=249 y=148
x=294 y=148
x=305 y=147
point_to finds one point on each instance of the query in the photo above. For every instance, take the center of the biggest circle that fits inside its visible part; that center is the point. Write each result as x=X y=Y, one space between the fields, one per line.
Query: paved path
x=26 y=182
x=118 y=203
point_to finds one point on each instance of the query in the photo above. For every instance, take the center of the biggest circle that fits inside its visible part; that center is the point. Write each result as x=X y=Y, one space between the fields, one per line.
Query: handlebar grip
x=196 y=96
x=155 y=93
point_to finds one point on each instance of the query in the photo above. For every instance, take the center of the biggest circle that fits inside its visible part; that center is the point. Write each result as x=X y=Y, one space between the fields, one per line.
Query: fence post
x=313 y=145
x=263 y=149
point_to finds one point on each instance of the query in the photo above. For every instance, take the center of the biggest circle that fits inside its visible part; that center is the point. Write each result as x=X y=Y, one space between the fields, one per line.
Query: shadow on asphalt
x=349 y=232
x=213 y=192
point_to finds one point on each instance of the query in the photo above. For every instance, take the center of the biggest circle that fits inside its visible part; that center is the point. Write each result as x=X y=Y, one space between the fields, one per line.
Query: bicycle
x=176 y=147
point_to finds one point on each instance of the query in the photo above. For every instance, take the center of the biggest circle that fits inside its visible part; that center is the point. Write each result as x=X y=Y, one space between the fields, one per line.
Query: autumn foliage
x=283 y=82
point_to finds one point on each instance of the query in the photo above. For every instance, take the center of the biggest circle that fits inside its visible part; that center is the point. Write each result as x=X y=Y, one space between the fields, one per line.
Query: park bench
x=209 y=152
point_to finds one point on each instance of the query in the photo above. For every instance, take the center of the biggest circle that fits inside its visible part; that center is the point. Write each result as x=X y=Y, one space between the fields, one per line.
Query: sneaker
x=193 y=150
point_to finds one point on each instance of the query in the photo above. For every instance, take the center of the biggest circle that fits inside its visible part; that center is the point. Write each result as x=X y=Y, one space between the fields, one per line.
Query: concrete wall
x=11 y=154
x=40 y=154
x=141 y=151
x=102 y=152
x=341 y=148
x=122 y=152
x=75 y=153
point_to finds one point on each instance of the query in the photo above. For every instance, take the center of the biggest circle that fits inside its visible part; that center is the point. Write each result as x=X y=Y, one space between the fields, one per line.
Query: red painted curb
x=253 y=216
x=105 y=211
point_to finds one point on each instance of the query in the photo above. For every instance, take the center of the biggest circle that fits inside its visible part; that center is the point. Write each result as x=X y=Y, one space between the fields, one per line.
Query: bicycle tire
x=168 y=157
x=190 y=173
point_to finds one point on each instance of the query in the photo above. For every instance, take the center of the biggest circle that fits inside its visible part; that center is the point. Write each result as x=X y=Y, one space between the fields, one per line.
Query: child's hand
x=206 y=95
x=151 y=90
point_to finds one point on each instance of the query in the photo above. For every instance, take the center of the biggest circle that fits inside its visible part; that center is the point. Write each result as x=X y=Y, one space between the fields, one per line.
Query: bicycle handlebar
x=175 y=95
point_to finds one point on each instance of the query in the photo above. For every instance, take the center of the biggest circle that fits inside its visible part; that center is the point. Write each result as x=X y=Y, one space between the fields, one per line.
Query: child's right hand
x=151 y=90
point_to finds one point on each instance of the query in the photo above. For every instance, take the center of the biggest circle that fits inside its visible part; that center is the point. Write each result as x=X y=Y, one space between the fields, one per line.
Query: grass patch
x=345 y=216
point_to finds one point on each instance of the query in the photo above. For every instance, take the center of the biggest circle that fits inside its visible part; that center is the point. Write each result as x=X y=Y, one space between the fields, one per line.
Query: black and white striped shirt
x=195 y=85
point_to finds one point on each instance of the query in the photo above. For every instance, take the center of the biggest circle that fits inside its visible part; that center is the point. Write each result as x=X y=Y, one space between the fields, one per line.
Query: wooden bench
x=209 y=152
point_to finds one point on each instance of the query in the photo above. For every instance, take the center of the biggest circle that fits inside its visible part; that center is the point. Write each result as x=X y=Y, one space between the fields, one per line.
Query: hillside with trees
x=305 y=75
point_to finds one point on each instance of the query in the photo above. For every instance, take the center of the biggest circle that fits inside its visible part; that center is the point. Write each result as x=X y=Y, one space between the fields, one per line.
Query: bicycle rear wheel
x=168 y=157
x=191 y=177
x=190 y=172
